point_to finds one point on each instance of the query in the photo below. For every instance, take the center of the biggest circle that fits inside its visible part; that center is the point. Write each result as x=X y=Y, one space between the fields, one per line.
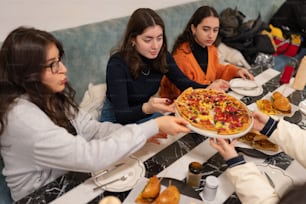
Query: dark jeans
x=281 y=60
x=108 y=114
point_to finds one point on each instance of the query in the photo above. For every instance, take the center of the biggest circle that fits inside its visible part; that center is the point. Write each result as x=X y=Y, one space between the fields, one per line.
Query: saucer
x=246 y=87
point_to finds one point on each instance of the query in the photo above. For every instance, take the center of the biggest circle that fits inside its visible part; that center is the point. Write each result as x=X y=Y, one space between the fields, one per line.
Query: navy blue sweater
x=128 y=95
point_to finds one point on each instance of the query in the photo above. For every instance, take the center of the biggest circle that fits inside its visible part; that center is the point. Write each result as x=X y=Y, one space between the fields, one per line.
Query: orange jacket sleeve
x=191 y=68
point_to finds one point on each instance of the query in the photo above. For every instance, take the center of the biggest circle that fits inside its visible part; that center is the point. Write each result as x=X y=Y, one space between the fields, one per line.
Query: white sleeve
x=291 y=139
x=47 y=145
x=250 y=185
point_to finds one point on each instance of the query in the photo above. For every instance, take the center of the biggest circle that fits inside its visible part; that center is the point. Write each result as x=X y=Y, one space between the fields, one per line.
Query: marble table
x=172 y=156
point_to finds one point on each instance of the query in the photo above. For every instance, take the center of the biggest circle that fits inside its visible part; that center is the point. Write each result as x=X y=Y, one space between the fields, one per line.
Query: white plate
x=302 y=106
x=214 y=134
x=280 y=178
x=130 y=199
x=239 y=82
x=132 y=167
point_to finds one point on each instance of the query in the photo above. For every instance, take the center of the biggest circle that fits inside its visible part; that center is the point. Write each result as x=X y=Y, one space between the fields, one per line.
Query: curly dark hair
x=141 y=19
x=22 y=59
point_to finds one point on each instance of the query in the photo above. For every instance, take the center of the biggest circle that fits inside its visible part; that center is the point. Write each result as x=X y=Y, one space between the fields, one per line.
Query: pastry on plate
x=258 y=141
x=280 y=102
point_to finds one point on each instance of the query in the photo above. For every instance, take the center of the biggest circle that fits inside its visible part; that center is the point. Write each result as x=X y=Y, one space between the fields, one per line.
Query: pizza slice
x=261 y=142
x=258 y=141
x=248 y=138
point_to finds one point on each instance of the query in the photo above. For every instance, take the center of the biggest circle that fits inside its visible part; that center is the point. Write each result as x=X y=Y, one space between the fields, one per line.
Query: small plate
x=302 y=107
x=245 y=83
x=186 y=192
x=132 y=167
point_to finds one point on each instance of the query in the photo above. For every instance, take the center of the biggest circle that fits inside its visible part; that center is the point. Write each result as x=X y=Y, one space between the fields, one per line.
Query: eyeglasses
x=54 y=66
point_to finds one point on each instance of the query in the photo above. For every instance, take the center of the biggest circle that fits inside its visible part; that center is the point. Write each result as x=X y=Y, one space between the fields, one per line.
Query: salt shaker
x=194 y=174
x=210 y=188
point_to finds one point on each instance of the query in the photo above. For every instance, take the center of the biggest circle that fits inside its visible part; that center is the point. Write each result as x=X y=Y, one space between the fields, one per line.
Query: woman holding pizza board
x=256 y=189
x=135 y=70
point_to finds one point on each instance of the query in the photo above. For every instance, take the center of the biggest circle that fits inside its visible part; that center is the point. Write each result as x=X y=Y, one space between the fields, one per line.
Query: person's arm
x=177 y=77
x=96 y=145
x=290 y=137
x=117 y=91
x=250 y=185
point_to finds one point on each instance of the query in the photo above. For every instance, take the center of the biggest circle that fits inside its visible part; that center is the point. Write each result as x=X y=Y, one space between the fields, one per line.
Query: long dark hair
x=141 y=19
x=187 y=36
x=22 y=57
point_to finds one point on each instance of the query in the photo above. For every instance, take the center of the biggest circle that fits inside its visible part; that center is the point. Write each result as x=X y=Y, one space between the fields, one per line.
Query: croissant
x=280 y=102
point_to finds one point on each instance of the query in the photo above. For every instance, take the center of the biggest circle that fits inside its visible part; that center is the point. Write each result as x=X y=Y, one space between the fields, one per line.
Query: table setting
x=171 y=158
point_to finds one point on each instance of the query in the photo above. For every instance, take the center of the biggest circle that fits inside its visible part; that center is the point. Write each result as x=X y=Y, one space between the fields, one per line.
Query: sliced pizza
x=213 y=110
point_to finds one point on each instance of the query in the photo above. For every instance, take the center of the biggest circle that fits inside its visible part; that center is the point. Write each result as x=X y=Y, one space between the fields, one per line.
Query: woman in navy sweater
x=135 y=70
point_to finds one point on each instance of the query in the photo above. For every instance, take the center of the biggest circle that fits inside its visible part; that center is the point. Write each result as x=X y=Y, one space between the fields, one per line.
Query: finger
x=168 y=101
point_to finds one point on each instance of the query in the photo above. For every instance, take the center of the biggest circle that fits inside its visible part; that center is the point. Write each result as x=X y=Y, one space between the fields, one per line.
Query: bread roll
x=170 y=195
x=110 y=200
x=280 y=102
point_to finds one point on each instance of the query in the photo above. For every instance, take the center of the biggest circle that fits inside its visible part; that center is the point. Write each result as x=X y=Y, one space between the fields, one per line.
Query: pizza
x=213 y=110
x=258 y=141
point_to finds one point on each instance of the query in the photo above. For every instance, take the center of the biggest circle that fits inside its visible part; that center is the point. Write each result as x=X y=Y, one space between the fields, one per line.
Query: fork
x=122 y=178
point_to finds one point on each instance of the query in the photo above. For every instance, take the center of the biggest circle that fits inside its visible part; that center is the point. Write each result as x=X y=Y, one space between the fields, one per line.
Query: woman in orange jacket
x=196 y=55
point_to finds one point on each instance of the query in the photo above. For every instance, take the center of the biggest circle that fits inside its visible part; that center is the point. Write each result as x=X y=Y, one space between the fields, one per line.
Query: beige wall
x=52 y=15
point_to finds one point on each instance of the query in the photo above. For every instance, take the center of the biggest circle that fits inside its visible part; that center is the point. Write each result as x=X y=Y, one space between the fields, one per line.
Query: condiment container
x=210 y=188
x=194 y=174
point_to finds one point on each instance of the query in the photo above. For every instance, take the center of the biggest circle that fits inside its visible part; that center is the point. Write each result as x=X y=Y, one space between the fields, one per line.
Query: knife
x=107 y=170
x=252 y=152
x=270 y=180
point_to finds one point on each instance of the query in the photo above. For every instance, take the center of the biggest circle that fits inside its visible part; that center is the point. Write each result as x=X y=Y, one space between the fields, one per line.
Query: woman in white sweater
x=250 y=185
x=43 y=134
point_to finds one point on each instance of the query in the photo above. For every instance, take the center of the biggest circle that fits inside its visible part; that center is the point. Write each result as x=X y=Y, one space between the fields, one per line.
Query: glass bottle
x=194 y=174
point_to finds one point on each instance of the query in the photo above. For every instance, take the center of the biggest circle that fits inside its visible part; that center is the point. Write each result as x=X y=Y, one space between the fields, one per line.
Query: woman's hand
x=155 y=138
x=219 y=84
x=260 y=120
x=160 y=105
x=225 y=147
x=172 y=125
x=245 y=74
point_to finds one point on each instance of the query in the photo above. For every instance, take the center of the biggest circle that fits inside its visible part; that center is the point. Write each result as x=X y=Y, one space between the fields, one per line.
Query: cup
x=210 y=188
